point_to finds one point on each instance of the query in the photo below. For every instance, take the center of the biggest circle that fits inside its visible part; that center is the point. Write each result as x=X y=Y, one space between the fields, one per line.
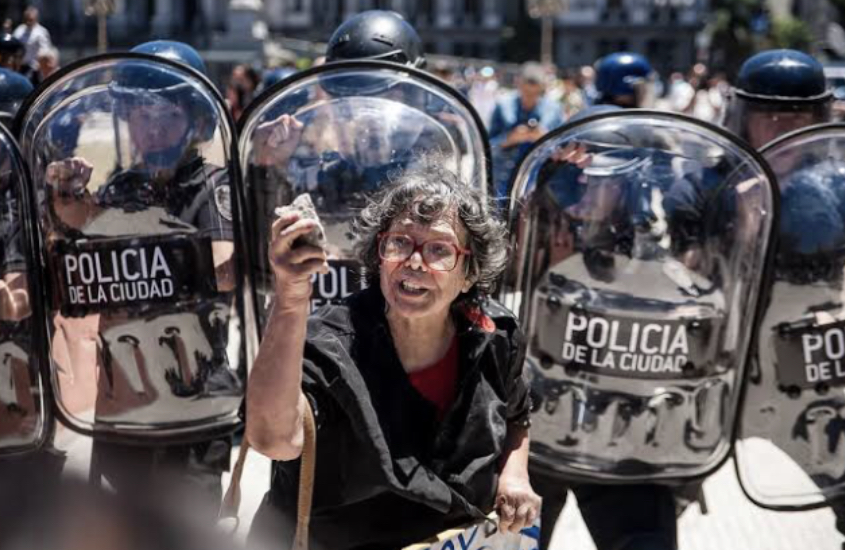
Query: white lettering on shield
x=823 y=354
x=118 y=276
x=628 y=346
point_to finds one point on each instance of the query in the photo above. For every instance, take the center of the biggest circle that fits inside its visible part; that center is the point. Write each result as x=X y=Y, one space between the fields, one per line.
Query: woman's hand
x=517 y=503
x=293 y=265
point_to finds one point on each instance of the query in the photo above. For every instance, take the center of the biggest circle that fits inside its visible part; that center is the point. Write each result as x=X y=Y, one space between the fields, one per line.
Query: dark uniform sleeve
x=214 y=213
x=518 y=396
x=322 y=362
x=519 y=399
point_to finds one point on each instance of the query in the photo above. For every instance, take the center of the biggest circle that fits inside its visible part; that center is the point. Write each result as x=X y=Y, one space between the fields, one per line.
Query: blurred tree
x=737 y=28
x=792 y=33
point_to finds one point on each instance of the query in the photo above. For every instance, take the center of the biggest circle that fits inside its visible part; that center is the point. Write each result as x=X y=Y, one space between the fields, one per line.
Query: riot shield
x=139 y=212
x=639 y=241
x=338 y=132
x=790 y=450
x=24 y=414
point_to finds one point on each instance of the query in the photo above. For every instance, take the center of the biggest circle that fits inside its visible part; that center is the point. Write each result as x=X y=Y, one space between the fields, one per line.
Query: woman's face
x=411 y=288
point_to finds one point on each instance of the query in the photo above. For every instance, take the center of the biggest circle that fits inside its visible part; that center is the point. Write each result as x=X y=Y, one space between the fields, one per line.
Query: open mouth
x=411 y=289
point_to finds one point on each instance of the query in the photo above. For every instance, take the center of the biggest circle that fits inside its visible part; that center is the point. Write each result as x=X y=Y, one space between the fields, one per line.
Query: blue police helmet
x=139 y=81
x=782 y=74
x=139 y=75
x=14 y=89
x=273 y=76
x=175 y=51
x=617 y=74
x=774 y=82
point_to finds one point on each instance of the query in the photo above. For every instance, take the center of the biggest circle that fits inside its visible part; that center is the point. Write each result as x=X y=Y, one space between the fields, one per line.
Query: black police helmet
x=9 y=45
x=376 y=34
x=782 y=75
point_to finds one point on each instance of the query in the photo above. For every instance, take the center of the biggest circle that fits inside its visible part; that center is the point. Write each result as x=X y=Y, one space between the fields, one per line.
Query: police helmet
x=273 y=76
x=787 y=87
x=14 y=89
x=140 y=82
x=11 y=52
x=9 y=45
x=175 y=51
x=787 y=75
x=376 y=34
x=624 y=75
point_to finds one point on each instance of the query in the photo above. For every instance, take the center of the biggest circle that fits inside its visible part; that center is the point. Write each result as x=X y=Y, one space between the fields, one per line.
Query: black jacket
x=387 y=473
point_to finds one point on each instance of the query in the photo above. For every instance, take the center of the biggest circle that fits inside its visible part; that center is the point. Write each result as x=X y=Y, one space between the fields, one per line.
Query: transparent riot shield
x=139 y=212
x=339 y=132
x=790 y=450
x=24 y=414
x=639 y=241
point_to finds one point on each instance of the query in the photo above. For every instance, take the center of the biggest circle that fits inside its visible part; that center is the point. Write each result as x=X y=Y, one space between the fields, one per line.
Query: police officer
x=167 y=124
x=626 y=516
x=21 y=421
x=374 y=35
x=777 y=92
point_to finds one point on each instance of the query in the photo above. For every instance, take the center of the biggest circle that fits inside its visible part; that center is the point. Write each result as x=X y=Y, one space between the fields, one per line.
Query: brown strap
x=232 y=499
x=306 y=479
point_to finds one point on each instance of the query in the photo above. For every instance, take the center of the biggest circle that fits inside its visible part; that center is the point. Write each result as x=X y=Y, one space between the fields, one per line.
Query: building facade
x=663 y=30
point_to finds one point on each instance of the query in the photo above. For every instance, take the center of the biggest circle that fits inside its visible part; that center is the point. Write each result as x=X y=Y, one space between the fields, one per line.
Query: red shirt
x=438 y=383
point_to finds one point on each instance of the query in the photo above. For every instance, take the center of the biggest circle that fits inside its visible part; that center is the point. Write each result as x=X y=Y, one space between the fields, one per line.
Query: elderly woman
x=416 y=383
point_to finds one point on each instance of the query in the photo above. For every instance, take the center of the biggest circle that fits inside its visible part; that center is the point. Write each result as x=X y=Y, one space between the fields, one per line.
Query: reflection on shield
x=339 y=133
x=24 y=420
x=640 y=240
x=791 y=443
x=139 y=213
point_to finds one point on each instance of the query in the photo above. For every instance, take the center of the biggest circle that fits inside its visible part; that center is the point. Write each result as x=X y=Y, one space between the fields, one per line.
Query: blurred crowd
x=699 y=92
x=28 y=48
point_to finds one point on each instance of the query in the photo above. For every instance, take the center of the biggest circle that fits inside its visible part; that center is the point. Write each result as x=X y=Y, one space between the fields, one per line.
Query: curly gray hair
x=427 y=190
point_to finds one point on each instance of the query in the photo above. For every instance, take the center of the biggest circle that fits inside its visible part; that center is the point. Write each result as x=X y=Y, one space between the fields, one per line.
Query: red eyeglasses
x=437 y=254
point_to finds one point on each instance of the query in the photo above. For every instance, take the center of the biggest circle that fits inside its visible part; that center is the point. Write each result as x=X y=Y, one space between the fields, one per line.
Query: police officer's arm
x=68 y=179
x=275 y=402
x=14 y=297
x=275 y=141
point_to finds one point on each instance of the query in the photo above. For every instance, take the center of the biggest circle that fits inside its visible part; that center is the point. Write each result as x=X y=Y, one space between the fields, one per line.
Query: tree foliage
x=791 y=33
x=735 y=26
